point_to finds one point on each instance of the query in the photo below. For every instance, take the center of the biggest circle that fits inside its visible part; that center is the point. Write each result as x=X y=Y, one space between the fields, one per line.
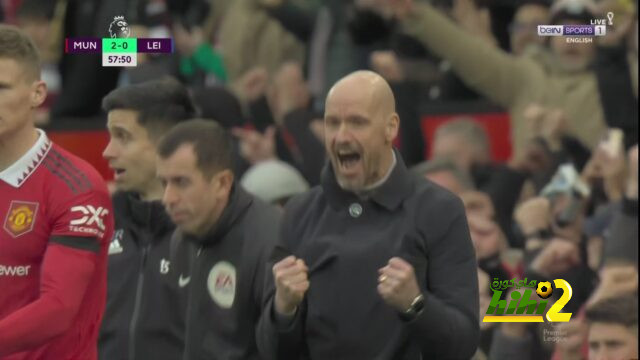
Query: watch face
x=419 y=305
x=416 y=306
x=414 y=310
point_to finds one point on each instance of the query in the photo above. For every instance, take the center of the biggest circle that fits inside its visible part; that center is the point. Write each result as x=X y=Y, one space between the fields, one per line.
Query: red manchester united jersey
x=56 y=222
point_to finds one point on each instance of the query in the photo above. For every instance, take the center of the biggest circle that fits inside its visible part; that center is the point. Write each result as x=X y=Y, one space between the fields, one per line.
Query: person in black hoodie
x=144 y=316
x=223 y=239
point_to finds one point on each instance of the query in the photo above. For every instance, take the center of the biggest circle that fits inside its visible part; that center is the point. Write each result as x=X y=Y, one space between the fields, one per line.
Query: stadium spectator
x=523 y=30
x=465 y=142
x=274 y=182
x=149 y=66
x=553 y=250
x=489 y=243
x=219 y=103
x=280 y=122
x=340 y=36
x=605 y=172
x=616 y=279
x=615 y=67
x=621 y=245
x=200 y=63
x=248 y=37
x=613 y=328
x=514 y=82
x=478 y=203
x=445 y=173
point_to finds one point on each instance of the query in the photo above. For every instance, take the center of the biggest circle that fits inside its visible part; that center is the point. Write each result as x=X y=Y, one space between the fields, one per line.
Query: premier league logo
x=119 y=28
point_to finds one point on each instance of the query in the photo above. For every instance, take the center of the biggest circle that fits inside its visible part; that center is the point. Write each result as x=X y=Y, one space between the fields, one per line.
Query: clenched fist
x=292 y=282
x=397 y=284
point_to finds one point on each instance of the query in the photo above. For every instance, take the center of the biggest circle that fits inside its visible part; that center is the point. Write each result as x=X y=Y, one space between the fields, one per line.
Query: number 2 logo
x=554 y=314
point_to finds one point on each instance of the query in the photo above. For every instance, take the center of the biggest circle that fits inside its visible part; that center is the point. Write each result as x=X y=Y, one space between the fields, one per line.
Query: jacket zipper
x=190 y=303
x=136 y=307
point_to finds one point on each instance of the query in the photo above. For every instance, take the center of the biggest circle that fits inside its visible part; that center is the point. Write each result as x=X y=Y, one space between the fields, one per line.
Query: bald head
x=369 y=85
x=360 y=126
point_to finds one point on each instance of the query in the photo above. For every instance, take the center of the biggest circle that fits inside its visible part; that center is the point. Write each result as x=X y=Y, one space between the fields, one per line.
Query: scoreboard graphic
x=118 y=51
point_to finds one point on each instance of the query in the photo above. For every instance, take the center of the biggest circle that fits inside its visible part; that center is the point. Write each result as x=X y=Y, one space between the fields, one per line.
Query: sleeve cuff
x=284 y=323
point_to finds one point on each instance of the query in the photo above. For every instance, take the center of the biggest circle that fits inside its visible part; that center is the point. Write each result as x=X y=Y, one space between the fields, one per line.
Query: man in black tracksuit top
x=144 y=318
x=223 y=240
x=374 y=263
x=145 y=311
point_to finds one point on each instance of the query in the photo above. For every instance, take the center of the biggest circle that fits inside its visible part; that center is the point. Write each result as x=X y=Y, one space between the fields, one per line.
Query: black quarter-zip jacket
x=227 y=271
x=145 y=313
x=344 y=240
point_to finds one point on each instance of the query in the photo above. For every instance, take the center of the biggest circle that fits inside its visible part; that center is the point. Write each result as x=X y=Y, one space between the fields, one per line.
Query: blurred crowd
x=565 y=206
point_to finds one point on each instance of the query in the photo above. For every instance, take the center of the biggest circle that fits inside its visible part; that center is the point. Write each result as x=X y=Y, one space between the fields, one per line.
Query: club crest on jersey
x=221 y=284
x=20 y=217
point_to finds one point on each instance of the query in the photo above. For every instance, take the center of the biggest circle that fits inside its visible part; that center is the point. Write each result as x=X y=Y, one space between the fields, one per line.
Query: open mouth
x=118 y=172
x=348 y=159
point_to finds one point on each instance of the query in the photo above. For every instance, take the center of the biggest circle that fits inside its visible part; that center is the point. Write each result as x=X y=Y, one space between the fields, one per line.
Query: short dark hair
x=17 y=46
x=443 y=164
x=620 y=310
x=160 y=103
x=211 y=143
x=469 y=129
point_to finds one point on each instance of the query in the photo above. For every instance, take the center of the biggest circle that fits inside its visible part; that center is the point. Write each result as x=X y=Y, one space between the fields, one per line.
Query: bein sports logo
x=91 y=218
x=572 y=30
x=498 y=310
x=598 y=27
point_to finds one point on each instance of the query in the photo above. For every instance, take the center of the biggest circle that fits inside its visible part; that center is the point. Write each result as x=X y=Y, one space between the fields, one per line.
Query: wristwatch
x=417 y=305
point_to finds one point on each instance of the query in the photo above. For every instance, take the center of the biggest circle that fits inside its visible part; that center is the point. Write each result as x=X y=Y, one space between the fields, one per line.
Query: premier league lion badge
x=119 y=28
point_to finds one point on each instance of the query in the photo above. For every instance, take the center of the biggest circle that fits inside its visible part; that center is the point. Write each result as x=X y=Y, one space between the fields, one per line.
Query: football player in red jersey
x=56 y=222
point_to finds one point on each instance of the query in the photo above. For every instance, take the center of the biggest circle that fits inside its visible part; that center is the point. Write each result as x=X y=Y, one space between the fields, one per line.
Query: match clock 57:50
x=111 y=59
x=119 y=59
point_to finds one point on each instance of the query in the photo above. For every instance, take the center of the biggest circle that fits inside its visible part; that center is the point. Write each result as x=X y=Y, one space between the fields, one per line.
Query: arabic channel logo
x=521 y=307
